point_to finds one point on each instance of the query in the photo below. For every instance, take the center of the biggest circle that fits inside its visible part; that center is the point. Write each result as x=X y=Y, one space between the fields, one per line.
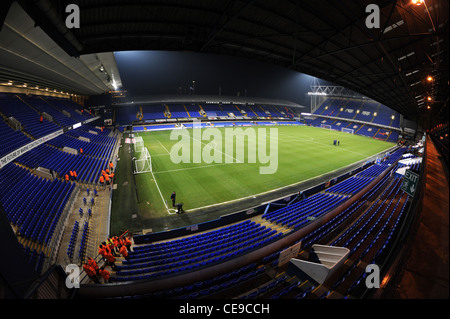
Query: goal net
x=142 y=159
x=138 y=144
x=326 y=126
x=348 y=130
x=143 y=164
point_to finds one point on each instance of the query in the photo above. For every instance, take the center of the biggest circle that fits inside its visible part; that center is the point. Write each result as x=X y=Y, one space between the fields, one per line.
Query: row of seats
x=193 y=256
x=359 y=129
x=68 y=106
x=32 y=203
x=94 y=149
x=83 y=241
x=152 y=250
x=42 y=106
x=366 y=236
x=298 y=214
x=125 y=115
x=62 y=163
x=379 y=254
x=35 y=259
x=264 y=288
x=29 y=118
x=377 y=209
x=11 y=140
x=370 y=237
x=204 y=252
x=208 y=287
x=300 y=220
x=73 y=239
x=27 y=110
x=350 y=186
x=367 y=111
x=372 y=242
x=99 y=135
x=345 y=215
x=372 y=171
x=221 y=283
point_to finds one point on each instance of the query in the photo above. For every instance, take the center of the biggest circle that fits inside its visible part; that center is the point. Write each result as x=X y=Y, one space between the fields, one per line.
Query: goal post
x=348 y=130
x=138 y=144
x=142 y=162
x=325 y=126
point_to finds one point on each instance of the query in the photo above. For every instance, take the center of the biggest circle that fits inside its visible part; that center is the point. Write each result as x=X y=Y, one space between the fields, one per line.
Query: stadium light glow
x=429 y=78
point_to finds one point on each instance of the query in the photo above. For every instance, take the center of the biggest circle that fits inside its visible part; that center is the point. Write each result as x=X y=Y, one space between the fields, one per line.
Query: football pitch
x=206 y=168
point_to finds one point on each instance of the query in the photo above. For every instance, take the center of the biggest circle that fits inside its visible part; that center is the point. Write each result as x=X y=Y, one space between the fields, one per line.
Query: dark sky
x=163 y=72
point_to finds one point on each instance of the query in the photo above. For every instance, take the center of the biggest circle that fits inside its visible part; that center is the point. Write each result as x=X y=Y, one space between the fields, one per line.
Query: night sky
x=166 y=72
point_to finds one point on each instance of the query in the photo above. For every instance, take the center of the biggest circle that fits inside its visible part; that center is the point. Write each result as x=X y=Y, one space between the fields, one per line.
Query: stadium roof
x=327 y=39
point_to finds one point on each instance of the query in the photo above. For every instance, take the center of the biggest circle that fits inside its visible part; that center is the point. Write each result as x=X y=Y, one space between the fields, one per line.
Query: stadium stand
x=365 y=236
x=33 y=204
x=73 y=239
x=367 y=226
x=342 y=113
x=193 y=110
x=43 y=106
x=42 y=208
x=68 y=107
x=37 y=205
x=15 y=106
x=45 y=215
x=12 y=139
x=151 y=261
x=178 y=111
x=127 y=114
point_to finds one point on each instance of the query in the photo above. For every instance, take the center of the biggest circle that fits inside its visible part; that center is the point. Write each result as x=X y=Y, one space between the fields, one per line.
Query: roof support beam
x=236 y=15
x=46 y=17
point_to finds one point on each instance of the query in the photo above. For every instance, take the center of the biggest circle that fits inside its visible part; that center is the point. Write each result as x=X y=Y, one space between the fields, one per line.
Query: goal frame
x=138 y=144
x=142 y=162
x=348 y=130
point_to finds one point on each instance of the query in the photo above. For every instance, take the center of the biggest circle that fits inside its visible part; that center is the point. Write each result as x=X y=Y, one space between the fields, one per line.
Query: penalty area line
x=189 y=168
x=163 y=147
x=162 y=197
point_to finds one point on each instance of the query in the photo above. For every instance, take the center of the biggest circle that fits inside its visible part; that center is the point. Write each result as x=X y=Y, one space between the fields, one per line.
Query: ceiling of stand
x=327 y=39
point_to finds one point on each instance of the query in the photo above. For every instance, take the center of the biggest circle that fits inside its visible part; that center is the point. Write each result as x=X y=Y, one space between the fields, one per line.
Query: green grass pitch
x=303 y=153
